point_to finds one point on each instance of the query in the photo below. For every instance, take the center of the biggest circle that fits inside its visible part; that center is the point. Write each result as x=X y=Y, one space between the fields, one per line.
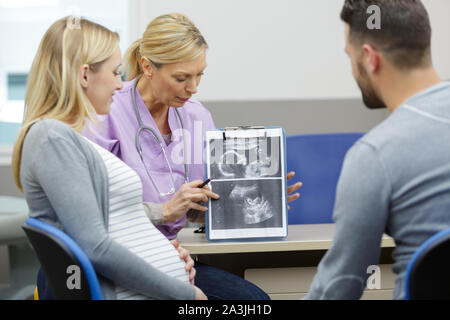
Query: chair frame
x=436 y=242
x=34 y=227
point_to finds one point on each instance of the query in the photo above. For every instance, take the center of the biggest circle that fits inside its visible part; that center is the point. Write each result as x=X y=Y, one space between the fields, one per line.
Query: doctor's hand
x=186 y=199
x=293 y=188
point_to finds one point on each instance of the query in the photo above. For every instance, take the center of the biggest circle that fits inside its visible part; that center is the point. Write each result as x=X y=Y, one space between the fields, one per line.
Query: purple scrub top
x=117 y=133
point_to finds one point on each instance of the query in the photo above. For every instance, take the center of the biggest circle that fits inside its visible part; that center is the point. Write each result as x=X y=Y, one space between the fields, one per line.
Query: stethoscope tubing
x=142 y=127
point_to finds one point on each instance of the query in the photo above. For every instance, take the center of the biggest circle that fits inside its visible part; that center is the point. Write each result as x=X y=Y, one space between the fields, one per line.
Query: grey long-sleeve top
x=66 y=184
x=395 y=179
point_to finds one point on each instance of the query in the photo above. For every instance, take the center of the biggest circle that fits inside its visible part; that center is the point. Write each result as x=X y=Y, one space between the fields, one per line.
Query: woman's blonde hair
x=169 y=38
x=53 y=88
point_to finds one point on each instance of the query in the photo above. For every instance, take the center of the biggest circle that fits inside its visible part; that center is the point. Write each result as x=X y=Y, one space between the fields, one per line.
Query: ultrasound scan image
x=247 y=204
x=245 y=158
x=247 y=173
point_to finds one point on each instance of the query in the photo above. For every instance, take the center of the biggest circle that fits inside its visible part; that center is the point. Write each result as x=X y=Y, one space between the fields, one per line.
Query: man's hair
x=404 y=36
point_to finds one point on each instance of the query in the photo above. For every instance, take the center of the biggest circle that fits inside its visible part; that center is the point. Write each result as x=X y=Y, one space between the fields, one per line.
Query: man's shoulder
x=379 y=135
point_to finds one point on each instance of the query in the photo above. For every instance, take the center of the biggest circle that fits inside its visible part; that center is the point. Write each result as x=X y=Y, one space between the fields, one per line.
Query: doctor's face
x=174 y=83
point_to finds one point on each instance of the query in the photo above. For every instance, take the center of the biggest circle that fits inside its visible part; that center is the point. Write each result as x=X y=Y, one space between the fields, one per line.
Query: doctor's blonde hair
x=53 y=88
x=169 y=38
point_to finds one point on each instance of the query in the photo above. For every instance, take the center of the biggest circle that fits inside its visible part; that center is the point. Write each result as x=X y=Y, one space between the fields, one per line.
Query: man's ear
x=371 y=58
x=84 y=75
x=147 y=67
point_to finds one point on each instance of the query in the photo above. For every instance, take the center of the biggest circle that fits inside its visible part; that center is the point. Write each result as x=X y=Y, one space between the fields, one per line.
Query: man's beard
x=370 y=97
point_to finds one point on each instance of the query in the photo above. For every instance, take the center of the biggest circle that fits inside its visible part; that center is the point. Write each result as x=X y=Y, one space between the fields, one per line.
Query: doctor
x=157 y=128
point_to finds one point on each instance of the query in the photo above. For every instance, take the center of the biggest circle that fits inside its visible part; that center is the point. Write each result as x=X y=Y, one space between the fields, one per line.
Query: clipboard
x=247 y=168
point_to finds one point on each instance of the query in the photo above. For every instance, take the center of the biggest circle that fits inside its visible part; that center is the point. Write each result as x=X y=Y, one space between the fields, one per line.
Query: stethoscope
x=142 y=128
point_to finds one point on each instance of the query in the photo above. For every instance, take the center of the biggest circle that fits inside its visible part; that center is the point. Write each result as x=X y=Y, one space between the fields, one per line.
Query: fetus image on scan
x=247 y=200
x=247 y=204
x=252 y=203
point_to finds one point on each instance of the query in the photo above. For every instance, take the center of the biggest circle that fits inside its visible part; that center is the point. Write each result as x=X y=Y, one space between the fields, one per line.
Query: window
x=17 y=85
x=22 y=25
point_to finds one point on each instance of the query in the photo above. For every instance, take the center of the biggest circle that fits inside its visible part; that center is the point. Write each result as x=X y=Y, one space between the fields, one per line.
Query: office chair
x=61 y=258
x=317 y=161
x=428 y=272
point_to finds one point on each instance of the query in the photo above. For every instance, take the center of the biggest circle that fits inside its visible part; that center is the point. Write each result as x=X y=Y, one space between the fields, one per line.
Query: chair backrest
x=428 y=272
x=317 y=162
x=62 y=259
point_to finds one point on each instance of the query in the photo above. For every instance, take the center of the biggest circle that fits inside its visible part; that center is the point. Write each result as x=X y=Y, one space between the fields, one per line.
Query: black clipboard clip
x=200 y=229
x=243 y=128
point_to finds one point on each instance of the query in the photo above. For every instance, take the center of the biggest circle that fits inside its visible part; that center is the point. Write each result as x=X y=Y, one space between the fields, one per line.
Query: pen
x=201 y=229
x=204 y=183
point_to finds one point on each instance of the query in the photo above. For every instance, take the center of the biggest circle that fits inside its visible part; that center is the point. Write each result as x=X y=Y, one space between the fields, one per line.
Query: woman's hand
x=184 y=255
x=186 y=199
x=293 y=188
x=199 y=295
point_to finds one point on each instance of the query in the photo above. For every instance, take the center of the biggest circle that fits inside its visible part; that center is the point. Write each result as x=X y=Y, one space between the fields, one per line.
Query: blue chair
x=428 y=272
x=59 y=256
x=317 y=162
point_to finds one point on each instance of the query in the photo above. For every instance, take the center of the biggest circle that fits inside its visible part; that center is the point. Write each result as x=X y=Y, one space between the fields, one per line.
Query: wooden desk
x=300 y=238
x=284 y=269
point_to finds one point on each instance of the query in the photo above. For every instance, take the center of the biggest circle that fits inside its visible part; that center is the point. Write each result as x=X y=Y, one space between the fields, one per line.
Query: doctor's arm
x=185 y=201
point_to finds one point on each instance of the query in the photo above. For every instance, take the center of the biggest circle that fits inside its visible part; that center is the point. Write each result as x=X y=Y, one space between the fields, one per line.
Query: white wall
x=439 y=11
x=278 y=50
x=23 y=24
x=22 y=28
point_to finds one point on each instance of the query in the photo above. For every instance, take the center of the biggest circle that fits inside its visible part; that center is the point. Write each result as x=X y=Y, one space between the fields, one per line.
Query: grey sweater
x=66 y=184
x=395 y=179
